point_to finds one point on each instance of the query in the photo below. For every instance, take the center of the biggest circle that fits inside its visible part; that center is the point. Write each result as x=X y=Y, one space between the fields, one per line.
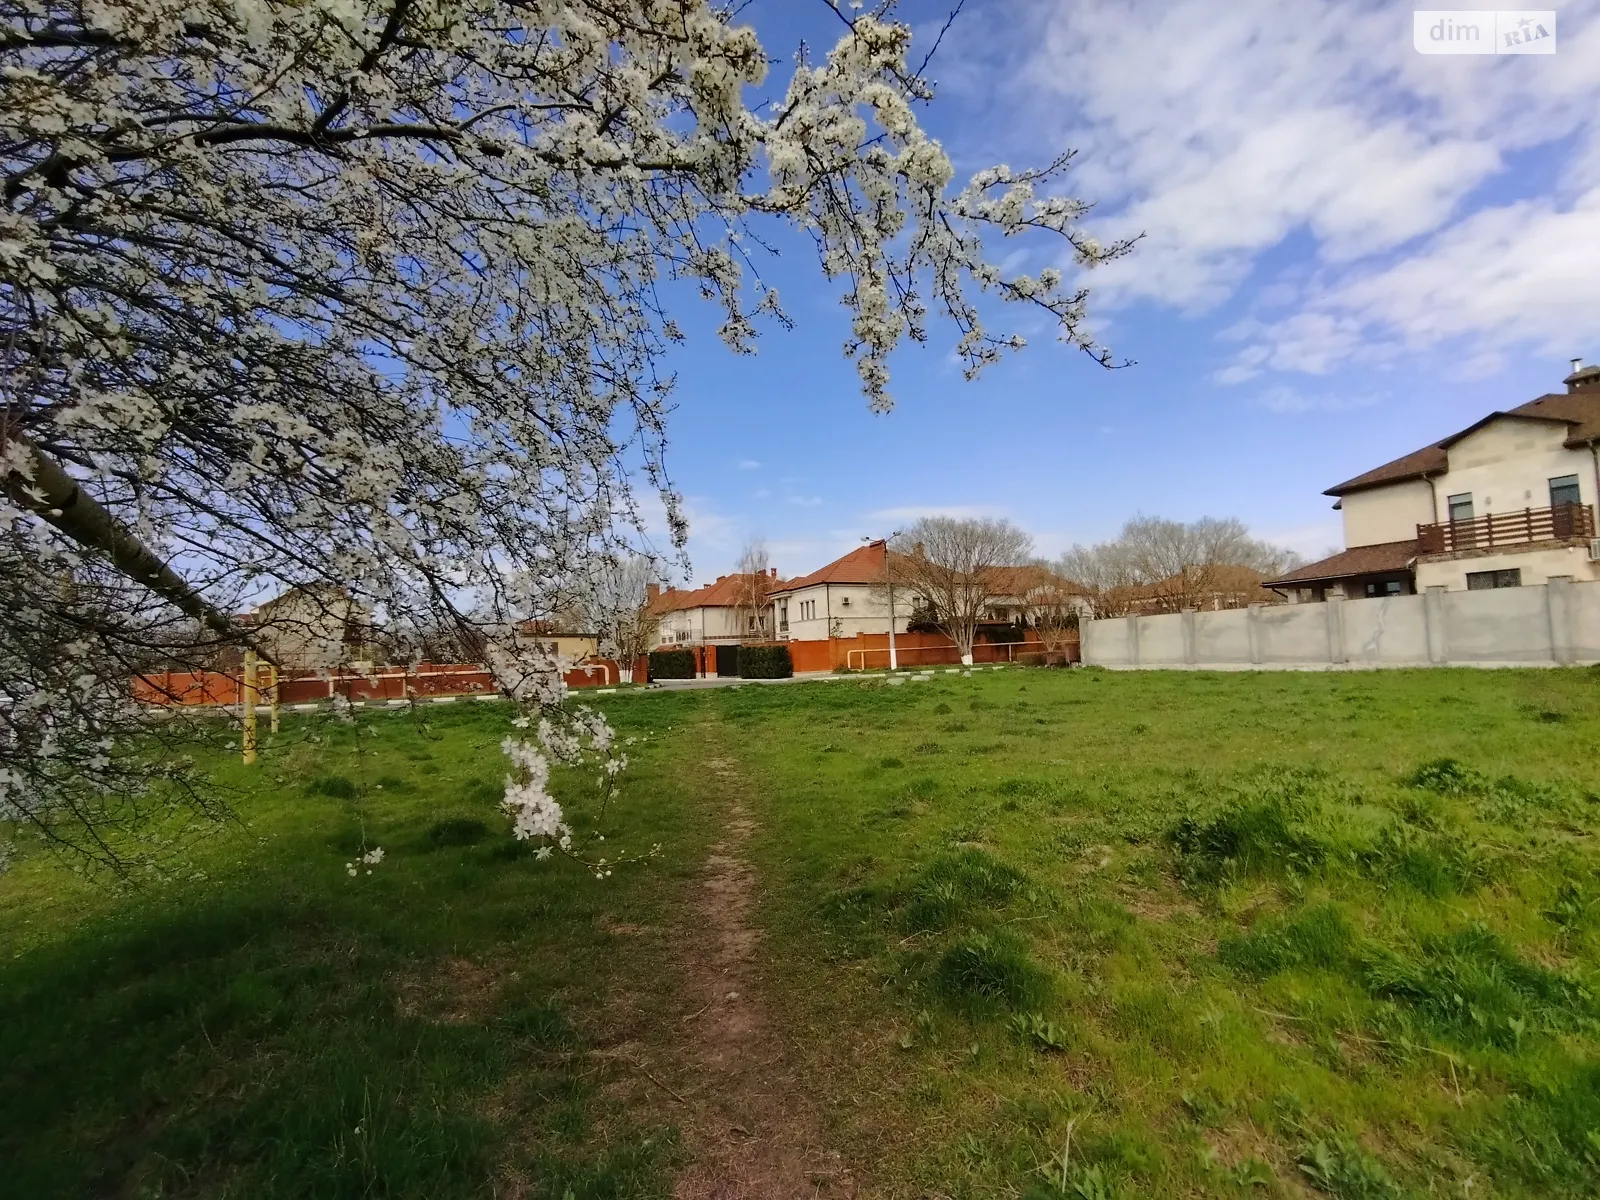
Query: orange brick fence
x=424 y=681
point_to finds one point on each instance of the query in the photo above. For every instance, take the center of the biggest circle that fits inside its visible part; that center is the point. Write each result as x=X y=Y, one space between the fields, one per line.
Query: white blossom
x=367 y=293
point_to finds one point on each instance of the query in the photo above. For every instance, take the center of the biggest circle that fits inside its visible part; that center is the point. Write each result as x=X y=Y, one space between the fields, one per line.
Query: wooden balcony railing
x=1511 y=528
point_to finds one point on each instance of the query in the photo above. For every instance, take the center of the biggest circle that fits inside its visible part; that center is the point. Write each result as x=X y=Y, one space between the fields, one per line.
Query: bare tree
x=752 y=602
x=1169 y=565
x=1052 y=605
x=616 y=605
x=1106 y=573
x=949 y=563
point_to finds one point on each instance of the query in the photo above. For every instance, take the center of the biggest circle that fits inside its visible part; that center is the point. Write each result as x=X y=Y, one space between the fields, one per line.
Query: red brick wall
x=384 y=683
x=911 y=650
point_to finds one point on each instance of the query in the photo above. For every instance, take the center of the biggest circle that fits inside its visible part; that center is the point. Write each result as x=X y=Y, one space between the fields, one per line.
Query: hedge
x=671 y=664
x=765 y=662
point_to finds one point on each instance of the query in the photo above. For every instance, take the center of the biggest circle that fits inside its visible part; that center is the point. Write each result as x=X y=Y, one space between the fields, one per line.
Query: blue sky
x=1350 y=250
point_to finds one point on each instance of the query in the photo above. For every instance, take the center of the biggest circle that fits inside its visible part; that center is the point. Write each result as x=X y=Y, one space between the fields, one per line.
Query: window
x=1461 y=507
x=1480 y=581
x=1564 y=490
x=1386 y=587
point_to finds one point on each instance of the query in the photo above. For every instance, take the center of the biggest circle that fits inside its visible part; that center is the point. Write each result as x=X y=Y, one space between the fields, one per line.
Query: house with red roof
x=1508 y=501
x=731 y=610
x=840 y=614
x=849 y=596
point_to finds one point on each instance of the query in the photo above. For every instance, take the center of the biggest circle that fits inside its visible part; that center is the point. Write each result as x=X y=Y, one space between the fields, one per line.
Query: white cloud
x=1228 y=133
x=806 y=501
x=749 y=464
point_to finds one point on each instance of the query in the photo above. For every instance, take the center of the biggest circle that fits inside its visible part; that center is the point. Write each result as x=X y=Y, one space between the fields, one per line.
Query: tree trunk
x=55 y=497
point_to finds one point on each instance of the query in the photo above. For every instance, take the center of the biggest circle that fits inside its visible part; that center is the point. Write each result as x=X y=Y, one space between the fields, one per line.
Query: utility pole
x=888 y=579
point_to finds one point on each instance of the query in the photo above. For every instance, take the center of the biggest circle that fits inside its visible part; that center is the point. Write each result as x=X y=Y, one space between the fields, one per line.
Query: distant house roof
x=322 y=592
x=724 y=593
x=1021 y=581
x=867 y=564
x=1579 y=410
x=1359 y=560
x=864 y=564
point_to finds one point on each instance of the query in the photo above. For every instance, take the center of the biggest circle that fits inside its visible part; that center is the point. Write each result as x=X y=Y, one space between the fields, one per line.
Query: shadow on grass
x=274 y=1047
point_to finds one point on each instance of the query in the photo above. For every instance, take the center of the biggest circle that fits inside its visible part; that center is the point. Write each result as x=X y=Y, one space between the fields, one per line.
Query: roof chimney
x=774 y=572
x=652 y=592
x=1583 y=379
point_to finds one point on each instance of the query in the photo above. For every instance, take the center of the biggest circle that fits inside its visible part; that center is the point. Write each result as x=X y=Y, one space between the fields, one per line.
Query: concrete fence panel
x=1550 y=624
x=1391 y=631
x=1161 y=640
x=1291 y=633
x=1220 y=637
x=1583 y=623
x=1509 y=625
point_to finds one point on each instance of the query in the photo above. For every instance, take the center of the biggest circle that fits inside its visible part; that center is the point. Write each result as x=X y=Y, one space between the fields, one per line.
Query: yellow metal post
x=248 y=694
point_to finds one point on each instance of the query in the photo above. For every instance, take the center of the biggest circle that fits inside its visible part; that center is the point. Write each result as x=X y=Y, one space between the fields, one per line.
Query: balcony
x=1513 y=528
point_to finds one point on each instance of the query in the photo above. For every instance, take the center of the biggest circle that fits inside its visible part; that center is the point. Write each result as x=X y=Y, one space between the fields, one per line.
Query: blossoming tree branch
x=369 y=293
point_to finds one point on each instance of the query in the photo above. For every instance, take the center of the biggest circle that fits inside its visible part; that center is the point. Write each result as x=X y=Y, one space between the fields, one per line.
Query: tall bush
x=765 y=662
x=671 y=664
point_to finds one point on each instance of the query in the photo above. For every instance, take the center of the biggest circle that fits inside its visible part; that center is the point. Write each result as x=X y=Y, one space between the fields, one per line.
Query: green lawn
x=1030 y=933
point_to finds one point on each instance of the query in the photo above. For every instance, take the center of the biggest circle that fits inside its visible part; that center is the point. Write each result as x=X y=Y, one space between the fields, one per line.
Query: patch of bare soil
x=455 y=992
x=752 y=1126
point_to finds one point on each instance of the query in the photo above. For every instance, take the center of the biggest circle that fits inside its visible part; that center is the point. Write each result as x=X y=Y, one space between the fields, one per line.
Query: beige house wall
x=1386 y=514
x=1507 y=466
x=854 y=608
x=307 y=630
x=572 y=648
x=1537 y=565
x=692 y=626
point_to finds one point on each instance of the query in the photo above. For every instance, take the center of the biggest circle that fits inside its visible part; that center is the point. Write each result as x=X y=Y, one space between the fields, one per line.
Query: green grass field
x=1031 y=933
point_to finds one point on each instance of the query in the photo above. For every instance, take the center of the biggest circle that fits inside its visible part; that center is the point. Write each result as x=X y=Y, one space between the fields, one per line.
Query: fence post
x=1190 y=654
x=1558 y=606
x=1335 y=607
x=1433 y=618
x=1252 y=629
x=1133 y=639
x=248 y=696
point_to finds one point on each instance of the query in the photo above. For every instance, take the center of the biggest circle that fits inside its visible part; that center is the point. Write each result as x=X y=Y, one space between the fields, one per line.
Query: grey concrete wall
x=1546 y=625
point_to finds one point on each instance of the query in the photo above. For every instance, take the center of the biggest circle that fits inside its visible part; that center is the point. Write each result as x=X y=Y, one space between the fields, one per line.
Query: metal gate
x=727 y=660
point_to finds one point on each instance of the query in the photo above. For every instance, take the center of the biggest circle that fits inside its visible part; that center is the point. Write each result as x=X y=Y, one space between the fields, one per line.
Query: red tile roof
x=1019 y=581
x=1580 y=410
x=864 y=564
x=1358 y=560
x=724 y=593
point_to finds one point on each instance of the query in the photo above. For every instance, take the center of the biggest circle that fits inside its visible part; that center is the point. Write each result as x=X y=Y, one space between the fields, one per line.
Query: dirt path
x=753 y=1128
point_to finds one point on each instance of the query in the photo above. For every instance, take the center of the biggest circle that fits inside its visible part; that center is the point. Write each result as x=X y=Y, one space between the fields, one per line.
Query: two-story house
x=848 y=596
x=312 y=627
x=1508 y=501
x=852 y=595
x=731 y=610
